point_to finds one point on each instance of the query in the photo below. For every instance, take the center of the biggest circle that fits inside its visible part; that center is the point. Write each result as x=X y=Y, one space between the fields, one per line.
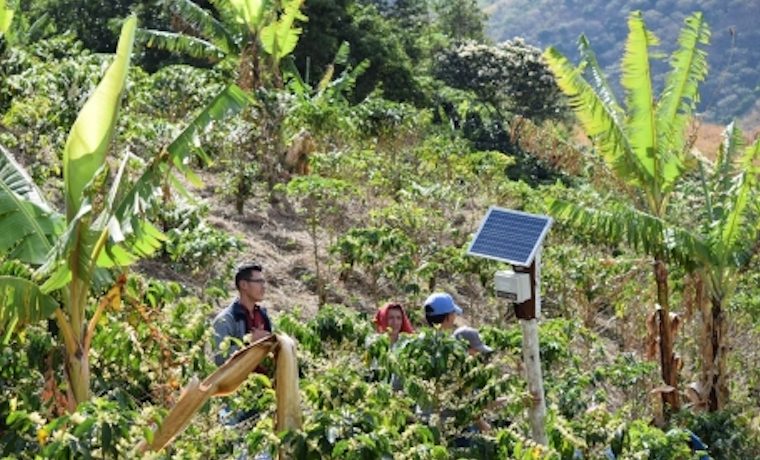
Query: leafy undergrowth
x=350 y=408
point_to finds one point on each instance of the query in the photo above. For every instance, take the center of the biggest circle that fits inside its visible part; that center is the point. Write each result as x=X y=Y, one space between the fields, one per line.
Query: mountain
x=733 y=84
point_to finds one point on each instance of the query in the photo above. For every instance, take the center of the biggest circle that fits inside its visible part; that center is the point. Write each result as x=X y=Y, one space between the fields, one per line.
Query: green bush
x=192 y=244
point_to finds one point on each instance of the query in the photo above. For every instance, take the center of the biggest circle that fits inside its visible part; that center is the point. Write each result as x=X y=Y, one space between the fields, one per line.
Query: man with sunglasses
x=243 y=316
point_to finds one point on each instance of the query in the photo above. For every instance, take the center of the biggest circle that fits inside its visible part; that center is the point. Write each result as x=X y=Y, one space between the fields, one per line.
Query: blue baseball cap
x=442 y=303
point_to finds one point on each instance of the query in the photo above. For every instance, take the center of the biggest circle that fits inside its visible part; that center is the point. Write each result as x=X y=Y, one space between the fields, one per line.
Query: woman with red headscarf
x=392 y=318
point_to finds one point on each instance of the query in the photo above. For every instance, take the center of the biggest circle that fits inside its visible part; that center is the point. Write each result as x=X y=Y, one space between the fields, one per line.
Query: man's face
x=254 y=286
x=450 y=321
x=394 y=320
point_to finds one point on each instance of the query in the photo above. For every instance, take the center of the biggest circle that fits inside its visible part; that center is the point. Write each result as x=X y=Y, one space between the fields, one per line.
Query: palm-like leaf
x=251 y=13
x=681 y=92
x=590 y=65
x=280 y=37
x=27 y=224
x=740 y=223
x=207 y=26
x=725 y=162
x=641 y=126
x=622 y=224
x=133 y=201
x=598 y=119
x=181 y=44
x=22 y=301
x=125 y=236
x=228 y=15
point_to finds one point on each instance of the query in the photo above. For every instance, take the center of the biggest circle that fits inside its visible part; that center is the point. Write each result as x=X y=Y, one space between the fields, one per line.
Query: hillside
x=352 y=148
x=734 y=53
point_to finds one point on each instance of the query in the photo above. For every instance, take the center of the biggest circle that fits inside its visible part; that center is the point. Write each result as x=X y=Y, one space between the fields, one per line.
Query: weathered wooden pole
x=528 y=313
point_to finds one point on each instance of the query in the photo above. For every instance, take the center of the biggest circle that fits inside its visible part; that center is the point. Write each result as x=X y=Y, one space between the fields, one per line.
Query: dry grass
x=710 y=136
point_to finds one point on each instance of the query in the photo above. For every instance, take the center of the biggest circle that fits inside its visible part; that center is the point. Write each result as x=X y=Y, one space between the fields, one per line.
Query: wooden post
x=532 y=356
x=532 y=359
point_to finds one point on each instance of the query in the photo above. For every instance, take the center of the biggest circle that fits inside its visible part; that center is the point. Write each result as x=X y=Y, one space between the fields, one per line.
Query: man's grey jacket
x=231 y=322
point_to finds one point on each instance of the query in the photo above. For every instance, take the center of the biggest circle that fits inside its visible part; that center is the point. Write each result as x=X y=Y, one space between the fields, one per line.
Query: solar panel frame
x=536 y=239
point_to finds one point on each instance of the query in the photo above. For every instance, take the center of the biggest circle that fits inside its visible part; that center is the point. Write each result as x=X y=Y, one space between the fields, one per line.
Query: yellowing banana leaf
x=225 y=380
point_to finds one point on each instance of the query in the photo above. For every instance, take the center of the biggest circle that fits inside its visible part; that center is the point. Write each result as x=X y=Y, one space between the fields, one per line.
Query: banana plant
x=730 y=229
x=101 y=231
x=245 y=31
x=643 y=142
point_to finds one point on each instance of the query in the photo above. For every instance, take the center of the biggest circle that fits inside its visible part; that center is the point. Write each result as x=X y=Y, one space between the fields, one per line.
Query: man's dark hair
x=244 y=272
x=434 y=319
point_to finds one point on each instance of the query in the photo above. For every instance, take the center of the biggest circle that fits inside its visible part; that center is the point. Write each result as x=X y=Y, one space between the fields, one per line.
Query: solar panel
x=510 y=236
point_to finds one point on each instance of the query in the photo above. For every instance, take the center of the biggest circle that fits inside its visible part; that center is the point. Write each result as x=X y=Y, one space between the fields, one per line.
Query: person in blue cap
x=441 y=310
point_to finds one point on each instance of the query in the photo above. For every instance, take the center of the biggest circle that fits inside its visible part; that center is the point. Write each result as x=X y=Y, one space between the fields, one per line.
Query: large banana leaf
x=230 y=101
x=68 y=259
x=180 y=43
x=250 y=12
x=123 y=245
x=90 y=136
x=280 y=37
x=27 y=224
x=641 y=125
x=619 y=223
x=598 y=119
x=740 y=224
x=725 y=162
x=22 y=301
x=681 y=93
x=590 y=65
x=206 y=24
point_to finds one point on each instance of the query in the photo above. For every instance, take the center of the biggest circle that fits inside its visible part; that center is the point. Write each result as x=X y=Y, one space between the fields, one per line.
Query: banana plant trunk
x=667 y=361
x=78 y=375
x=714 y=355
x=249 y=71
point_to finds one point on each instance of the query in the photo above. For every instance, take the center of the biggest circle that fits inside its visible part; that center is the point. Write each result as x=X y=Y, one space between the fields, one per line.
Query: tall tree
x=461 y=19
x=102 y=229
x=644 y=145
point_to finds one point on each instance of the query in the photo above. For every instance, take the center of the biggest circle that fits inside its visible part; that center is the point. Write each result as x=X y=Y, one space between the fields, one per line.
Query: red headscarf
x=381 y=318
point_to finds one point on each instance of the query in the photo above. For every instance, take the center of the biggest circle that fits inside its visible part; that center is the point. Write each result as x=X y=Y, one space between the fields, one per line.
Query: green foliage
x=399 y=190
x=320 y=199
x=461 y=19
x=373 y=38
x=191 y=244
x=6 y=18
x=90 y=20
x=511 y=76
x=385 y=253
x=45 y=88
x=727 y=434
x=239 y=31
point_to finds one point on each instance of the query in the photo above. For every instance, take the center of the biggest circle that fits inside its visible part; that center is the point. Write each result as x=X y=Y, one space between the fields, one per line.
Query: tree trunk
x=714 y=355
x=315 y=244
x=78 y=376
x=667 y=361
x=249 y=77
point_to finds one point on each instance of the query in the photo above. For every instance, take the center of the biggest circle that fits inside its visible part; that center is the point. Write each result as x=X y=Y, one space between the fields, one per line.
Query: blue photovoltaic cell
x=510 y=236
